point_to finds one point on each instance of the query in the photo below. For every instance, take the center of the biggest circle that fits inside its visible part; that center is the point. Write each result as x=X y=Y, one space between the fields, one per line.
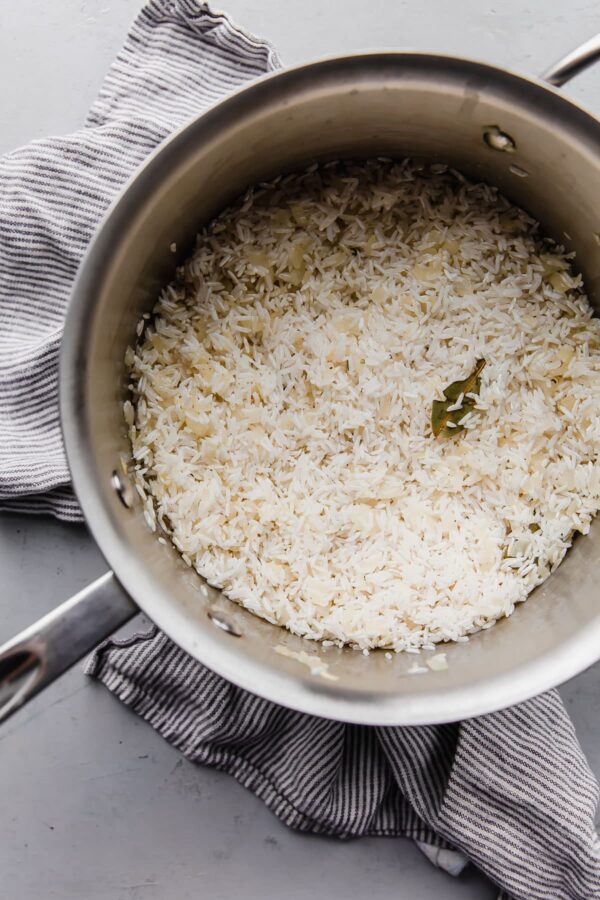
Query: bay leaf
x=446 y=422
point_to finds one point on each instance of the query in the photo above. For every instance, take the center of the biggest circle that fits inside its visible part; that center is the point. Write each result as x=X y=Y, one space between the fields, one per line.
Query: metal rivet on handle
x=224 y=624
x=498 y=140
x=123 y=489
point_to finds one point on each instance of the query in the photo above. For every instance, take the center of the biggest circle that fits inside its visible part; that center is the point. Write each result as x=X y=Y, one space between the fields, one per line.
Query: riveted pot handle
x=33 y=659
x=573 y=63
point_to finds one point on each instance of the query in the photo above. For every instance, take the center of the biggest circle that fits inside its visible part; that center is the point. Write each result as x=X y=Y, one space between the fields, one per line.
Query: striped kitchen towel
x=511 y=791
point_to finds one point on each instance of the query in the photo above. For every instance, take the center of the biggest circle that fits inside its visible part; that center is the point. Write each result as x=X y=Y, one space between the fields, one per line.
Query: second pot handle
x=573 y=63
x=30 y=661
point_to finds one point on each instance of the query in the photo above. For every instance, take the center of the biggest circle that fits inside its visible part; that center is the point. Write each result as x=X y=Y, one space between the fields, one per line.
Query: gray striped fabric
x=511 y=791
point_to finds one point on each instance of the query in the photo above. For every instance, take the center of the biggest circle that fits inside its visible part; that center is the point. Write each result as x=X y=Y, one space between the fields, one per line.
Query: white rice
x=281 y=402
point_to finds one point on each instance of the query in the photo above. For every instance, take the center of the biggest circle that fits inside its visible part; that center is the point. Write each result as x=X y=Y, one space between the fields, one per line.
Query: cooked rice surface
x=282 y=393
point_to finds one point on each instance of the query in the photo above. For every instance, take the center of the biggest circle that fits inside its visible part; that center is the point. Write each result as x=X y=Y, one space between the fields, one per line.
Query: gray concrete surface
x=94 y=805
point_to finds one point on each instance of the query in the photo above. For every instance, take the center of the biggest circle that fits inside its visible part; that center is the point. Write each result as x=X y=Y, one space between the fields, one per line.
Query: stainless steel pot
x=520 y=134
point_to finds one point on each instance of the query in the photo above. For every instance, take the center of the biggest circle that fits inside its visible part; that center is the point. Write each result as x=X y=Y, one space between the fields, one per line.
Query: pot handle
x=32 y=660
x=573 y=63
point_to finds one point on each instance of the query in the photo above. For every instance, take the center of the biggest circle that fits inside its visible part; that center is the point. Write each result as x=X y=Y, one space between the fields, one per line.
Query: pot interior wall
x=393 y=105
